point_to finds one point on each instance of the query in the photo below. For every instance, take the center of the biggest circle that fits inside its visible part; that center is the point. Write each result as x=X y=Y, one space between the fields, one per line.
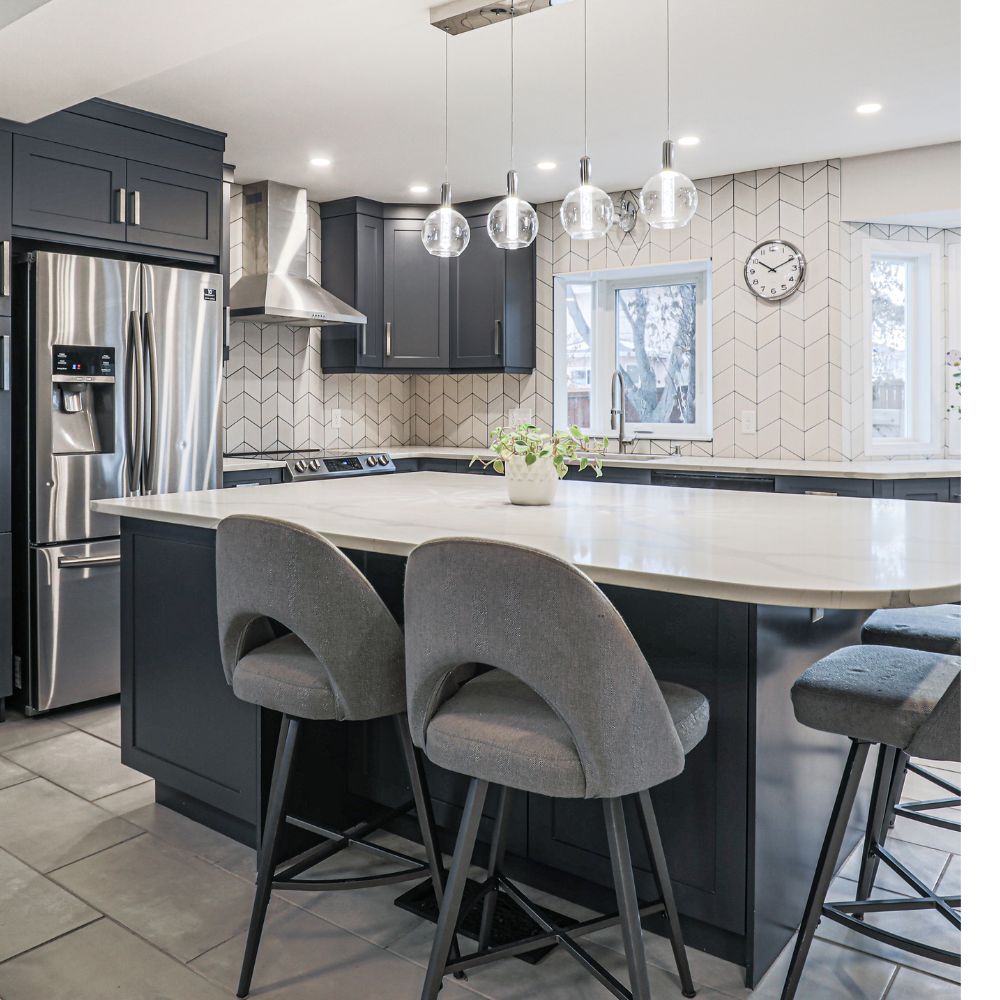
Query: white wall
x=907 y=187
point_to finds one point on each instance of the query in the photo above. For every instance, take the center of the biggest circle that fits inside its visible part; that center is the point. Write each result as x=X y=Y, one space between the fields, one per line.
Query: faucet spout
x=618 y=412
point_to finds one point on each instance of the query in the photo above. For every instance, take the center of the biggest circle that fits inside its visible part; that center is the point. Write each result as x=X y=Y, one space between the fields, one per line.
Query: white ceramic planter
x=530 y=485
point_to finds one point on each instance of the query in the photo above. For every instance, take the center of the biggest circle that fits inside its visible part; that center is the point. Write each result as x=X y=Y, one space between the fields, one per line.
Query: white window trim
x=603 y=356
x=953 y=256
x=928 y=314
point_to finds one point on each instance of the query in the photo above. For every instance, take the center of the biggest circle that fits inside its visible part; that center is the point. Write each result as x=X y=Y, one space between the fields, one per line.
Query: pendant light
x=512 y=222
x=445 y=232
x=669 y=198
x=587 y=212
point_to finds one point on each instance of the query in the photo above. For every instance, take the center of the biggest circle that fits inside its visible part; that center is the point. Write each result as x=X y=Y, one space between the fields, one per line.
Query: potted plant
x=533 y=462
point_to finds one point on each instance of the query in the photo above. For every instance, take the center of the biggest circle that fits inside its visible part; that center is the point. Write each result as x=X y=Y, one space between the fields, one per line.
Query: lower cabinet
x=825 y=486
x=923 y=489
x=6 y=621
x=252 y=477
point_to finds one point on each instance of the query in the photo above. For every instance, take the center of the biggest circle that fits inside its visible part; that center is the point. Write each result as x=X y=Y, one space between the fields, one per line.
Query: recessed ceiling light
x=688 y=140
x=419 y=189
x=320 y=161
x=868 y=109
x=546 y=165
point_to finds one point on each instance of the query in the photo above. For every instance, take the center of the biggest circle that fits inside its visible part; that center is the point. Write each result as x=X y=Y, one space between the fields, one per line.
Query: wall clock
x=774 y=270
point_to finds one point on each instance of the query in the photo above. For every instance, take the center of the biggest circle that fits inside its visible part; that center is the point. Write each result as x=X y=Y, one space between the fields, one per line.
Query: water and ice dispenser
x=83 y=400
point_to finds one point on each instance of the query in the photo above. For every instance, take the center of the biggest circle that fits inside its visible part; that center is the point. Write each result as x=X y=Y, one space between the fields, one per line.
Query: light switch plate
x=336 y=419
x=748 y=421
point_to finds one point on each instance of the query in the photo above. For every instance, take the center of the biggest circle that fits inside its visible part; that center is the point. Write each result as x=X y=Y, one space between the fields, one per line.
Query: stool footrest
x=839 y=912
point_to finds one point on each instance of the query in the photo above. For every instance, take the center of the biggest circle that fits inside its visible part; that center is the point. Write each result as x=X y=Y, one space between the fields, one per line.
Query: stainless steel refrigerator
x=123 y=390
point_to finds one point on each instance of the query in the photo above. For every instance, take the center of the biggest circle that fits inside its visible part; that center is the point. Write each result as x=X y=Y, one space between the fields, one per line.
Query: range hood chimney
x=275 y=287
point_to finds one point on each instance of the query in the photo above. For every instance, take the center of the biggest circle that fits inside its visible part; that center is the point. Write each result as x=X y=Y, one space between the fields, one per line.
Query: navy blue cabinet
x=6 y=263
x=824 y=486
x=6 y=576
x=938 y=490
x=252 y=477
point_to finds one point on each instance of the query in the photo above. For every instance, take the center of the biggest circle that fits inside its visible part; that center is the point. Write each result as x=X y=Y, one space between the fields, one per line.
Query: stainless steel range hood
x=276 y=287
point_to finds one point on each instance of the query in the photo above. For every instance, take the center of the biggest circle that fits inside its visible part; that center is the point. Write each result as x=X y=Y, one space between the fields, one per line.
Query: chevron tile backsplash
x=796 y=364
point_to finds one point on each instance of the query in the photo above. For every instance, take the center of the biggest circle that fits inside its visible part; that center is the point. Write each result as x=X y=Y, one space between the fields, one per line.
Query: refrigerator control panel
x=83 y=363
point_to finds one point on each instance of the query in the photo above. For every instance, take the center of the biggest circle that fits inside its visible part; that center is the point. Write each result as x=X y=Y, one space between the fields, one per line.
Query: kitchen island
x=731 y=593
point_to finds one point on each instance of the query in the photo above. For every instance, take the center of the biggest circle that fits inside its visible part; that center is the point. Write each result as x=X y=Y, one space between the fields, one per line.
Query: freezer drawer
x=77 y=615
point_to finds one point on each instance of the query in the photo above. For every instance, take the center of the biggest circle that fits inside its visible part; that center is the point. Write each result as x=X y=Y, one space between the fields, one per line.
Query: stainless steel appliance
x=123 y=387
x=311 y=463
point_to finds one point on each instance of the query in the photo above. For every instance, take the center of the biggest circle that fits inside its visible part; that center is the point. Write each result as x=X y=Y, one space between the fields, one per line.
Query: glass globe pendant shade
x=587 y=212
x=512 y=222
x=445 y=232
x=669 y=198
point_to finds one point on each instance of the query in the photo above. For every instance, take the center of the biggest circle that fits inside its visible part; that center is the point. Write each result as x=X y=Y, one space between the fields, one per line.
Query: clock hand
x=771 y=269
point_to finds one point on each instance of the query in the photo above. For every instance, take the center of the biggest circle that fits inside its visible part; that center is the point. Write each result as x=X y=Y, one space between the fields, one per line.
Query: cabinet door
x=477 y=295
x=6 y=618
x=368 y=289
x=5 y=431
x=416 y=300
x=824 y=486
x=6 y=263
x=63 y=189
x=173 y=210
x=938 y=490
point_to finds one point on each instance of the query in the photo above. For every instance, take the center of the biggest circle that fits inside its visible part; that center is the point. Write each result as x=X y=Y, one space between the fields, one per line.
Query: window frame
x=925 y=348
x=604 y=346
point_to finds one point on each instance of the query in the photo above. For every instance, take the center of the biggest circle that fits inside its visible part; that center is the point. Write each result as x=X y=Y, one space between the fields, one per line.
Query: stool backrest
x=473 y=601
x=940 y=737
x=271 y=569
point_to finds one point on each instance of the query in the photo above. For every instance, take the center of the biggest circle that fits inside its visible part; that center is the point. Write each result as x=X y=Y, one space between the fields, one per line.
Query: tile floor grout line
x=52 y=781
x=98 y=915
x=892 y=981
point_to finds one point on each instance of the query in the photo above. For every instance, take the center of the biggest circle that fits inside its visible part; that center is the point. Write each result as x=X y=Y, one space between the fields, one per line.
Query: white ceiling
x=762 y=83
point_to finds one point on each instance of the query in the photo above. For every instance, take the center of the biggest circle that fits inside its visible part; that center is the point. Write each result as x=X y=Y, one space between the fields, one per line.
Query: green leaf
x=530 y=459
x=498 y=467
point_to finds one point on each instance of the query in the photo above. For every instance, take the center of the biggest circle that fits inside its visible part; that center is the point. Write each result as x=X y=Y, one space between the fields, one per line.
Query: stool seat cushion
x=498 y=729
x=283 y=675
x=936 y=629
x=880 y=694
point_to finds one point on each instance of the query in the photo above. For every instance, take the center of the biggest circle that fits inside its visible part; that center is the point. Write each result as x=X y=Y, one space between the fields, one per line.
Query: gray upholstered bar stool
x=897 y=699
x=935 y=629
x=570 y=710
x=303 y=633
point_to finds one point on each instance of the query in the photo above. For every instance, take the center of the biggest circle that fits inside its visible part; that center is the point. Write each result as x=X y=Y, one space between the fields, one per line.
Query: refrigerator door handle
x=151 y=374
x=135 y=405
x=84 y=562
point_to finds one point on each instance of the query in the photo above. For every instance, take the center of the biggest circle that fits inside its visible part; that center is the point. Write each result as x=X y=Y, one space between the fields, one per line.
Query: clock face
x=774 y=270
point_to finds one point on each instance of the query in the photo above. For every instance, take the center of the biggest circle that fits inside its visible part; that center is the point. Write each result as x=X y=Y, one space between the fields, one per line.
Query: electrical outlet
x=748 y=421
x=518 y=416
x=336 y=419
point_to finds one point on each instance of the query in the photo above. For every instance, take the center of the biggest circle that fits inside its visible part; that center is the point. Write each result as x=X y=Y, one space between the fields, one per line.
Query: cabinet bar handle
x=136 y=208
x=388 y=340
x=497 y=333
x=5 y=268
x=364 y=340
x=120 y=204
x=5 y=363
x=820 y=493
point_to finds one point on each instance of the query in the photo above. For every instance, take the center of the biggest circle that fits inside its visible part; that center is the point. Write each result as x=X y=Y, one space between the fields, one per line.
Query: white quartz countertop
x=766 y=548
x=929 y=468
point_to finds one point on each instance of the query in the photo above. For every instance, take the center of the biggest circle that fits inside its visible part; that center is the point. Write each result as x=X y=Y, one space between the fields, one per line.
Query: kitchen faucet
x=618 y=413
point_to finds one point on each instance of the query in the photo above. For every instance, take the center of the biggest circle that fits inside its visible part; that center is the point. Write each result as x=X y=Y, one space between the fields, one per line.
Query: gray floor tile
x=129 y=799
x=910 y=985
x=48 y=827
x=950 y=883
x=34 y=910
x=914 y=832
x=98 y=962
x=831 y=973
x=918 y=787
x=11 y=773
x=180 y=832
x=176 y=901
x=954 y=766
x=84 y=764
x=305 y=958
x=370 y=913
x=18 y=731
x=102 y=720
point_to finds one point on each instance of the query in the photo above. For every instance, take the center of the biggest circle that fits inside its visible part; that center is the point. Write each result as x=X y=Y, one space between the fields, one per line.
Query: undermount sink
x=626 y=457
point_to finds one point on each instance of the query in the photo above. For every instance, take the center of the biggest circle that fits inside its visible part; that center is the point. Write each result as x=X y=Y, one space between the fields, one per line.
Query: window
x=652 y=324
x=903 y=347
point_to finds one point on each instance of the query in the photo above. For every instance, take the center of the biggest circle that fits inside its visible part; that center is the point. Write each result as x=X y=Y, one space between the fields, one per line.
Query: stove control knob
x=314 y=464
x=300 y=466
x=370 y=460
x=383 y=460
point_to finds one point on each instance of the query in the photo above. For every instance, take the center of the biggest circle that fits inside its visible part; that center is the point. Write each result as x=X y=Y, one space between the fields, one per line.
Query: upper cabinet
x=108 y=177
x=415 y=300
x=474 y=313
x=6 y=264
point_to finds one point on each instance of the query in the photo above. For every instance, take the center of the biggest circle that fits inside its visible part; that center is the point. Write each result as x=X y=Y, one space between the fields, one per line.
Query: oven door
x=77 y=639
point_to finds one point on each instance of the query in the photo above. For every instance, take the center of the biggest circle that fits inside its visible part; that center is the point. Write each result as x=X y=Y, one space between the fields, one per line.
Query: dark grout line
x=42 y=944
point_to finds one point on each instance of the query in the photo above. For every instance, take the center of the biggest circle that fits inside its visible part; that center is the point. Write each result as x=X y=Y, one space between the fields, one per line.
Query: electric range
x=312 y=463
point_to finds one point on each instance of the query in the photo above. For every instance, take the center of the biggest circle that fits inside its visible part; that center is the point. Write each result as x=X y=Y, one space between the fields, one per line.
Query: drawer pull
x=5 y=269
x=120 y=204
x=820 y=493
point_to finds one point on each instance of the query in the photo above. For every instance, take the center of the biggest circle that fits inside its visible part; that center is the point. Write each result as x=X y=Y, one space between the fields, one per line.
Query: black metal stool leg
x=881 y=789
x=654 y=849
x=276 y=807
x=497 y=847
x=895 y=793
x=628 y=904
x=839 y=818
x=454 y=891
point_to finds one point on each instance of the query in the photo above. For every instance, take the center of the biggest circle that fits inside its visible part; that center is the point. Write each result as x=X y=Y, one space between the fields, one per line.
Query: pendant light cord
x=446 y=39
x=668 y=69
x=512 y=16
x=585 y=150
